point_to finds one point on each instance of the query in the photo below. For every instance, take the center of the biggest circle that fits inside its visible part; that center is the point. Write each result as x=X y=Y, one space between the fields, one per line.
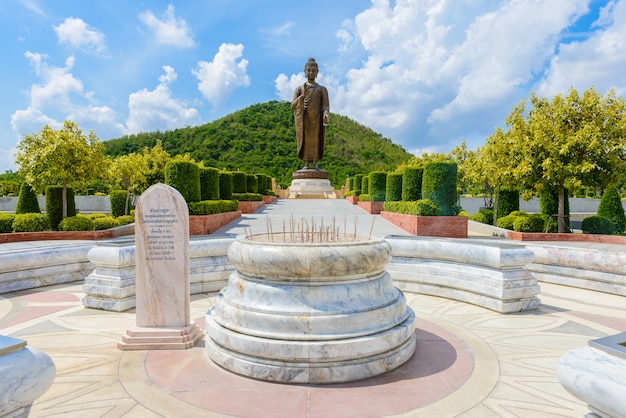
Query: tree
x=60 y=157
x=564 y=143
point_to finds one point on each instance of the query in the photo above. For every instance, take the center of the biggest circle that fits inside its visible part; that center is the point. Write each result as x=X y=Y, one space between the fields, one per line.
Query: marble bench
x=491 y=275
x=111 y=285
x=43 y=265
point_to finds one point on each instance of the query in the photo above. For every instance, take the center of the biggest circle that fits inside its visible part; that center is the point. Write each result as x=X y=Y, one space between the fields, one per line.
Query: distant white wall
x=84 y=204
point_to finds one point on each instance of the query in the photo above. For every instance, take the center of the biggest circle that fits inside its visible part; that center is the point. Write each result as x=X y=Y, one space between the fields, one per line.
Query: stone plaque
x=162 y=273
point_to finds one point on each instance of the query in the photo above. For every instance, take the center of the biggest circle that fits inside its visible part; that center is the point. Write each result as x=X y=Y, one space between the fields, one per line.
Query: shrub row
x=422 y=207
x=210 y=207
x=248 y=197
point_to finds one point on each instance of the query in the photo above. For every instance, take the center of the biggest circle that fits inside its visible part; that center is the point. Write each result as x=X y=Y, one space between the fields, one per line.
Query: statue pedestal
x=311 y=184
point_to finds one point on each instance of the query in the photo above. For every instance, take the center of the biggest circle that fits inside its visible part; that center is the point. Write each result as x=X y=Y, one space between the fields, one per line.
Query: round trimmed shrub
x=76 y=223
x=488 y=214
x=226 y=185
x=530 y=223
x=118 y=199
x=209 y=183
x=412 y=183
x=439 y=182
x=393 y=192
x=125 y=219
x=31 y=222
x=358 y=183
x=597 y=225
x=184 y=176
x=508 y=201
x=610 y=208
x=106 y=222
x=27 y=200
x=506 y=222
x=6 y=222
x=378 y=185
x=240 y=184
x=54 y=205
x=479 y=217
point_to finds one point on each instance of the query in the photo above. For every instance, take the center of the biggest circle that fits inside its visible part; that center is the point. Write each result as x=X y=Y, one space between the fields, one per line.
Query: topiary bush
x=412 y=183
x=530 y=223
x=358 y=183
x=378 y=185
x=549 y=205
x=184 y=176
x=248 y=197
x=351 y=184
x=119 y=200
x=365 y=197
x=76 y=223
x=439 y=182
x=597 y=225
x=610 y=208
x=488 y=214
x=365 y=185
x=31 y=222
x=508 y=201
x=210 y=207
x=506 y=222
x=240 y=184
x=479 y=217
x=251 y=184
x=6 y=222
x=27 y=200
x=106 y=222
x=125 y=219
x=54 y=205
x=209 y=183
x=226 y=185
x=393 y=190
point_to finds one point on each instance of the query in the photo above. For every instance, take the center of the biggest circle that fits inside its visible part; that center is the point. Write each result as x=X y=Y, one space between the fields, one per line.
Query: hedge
x=439 y=182
x=378 y=185
x=479 y=217
x=251 y=184
x=530 y=223
x=209 y=183
x=248 y=197
x=365 y=185
x=76 y=223
x=6 y=222
x=31 y=222
x=610 y=208
x=365 y=197
x=393 y=190
x=412 y=183
x=488 y=215
x=125 y=219
x=27 y=200
x=226 y=185
x=184 y=176
x=549 y=205
x=422 y=207
x=508 y=201
x=106 y=222
x=597 y=225
x=211 y=207
x=351 y=184
x=358 y=182
x=54 y=205
x=240 y=184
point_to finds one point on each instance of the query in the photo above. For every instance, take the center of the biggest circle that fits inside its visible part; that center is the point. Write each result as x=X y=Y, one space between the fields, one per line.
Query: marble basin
x=309 y=312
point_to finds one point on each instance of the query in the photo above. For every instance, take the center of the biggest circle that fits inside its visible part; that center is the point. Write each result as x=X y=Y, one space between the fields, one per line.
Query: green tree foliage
x=549 y=206
x=261 y=138
x=439 y=184
x=27 y=200
x=64 y=157
x=611 y=208
x=564 y=143
x=184 y=176
x=412 y=183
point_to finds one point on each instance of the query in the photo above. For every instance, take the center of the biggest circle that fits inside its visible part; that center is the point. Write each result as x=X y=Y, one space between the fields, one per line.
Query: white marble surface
x=311 y=187
x=597 y=378
x=25 y=374
x=304 y=313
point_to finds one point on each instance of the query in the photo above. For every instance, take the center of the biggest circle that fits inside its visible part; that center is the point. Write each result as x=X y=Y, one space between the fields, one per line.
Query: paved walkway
x=470 y=362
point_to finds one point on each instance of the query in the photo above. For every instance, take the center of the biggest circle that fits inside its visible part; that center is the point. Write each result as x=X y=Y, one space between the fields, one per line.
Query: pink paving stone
x=441 y=364
x=616 y=323
x=39 y=297
x=32 y=312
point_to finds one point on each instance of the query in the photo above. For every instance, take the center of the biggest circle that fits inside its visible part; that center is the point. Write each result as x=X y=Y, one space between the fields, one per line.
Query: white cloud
x=598 y=60
x=169 y=30
x=220 y=77
x=77 y=34
x=157 y=109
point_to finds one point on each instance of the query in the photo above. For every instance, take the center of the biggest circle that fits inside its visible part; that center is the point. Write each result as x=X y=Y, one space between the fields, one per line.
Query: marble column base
x=311 y=189
x=149 y=338
x=25 y=374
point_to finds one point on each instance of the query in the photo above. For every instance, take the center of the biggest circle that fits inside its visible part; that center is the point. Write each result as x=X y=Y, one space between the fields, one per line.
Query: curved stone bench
x=491 y=275
x=111 y=285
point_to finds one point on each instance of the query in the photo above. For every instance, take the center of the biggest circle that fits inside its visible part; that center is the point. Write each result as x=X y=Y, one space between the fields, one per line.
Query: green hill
x=261 y=139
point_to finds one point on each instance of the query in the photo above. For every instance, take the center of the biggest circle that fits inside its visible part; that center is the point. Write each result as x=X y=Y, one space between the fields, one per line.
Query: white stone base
x=597 y=378
x=152 y=338
x=311 y=189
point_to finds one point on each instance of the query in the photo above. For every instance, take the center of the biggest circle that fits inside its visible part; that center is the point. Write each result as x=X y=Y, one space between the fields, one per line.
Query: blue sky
x=424 y=73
